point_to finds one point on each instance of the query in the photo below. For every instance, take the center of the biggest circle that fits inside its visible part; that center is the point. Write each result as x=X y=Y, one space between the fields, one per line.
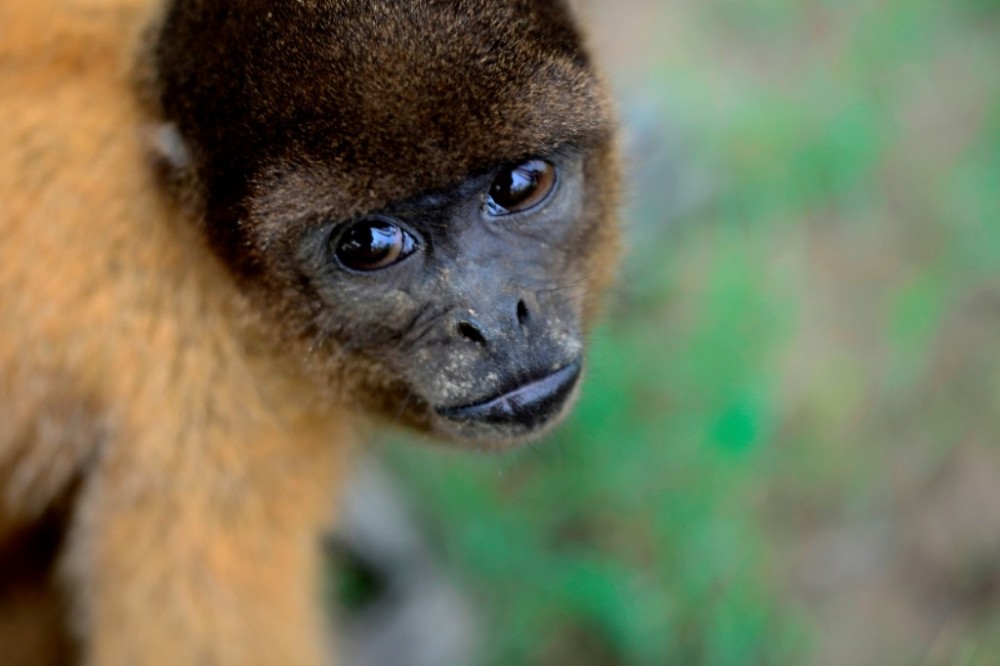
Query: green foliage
x=785 y=338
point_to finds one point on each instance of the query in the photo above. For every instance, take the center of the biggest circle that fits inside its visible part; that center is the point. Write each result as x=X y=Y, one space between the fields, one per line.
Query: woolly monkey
x=283 y=218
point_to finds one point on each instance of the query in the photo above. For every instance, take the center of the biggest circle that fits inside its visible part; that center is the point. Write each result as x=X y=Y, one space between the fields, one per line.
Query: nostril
x=522 y=313
x=471 y=332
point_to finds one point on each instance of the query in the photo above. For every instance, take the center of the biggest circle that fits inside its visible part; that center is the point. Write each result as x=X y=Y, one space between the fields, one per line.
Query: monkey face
x=424 y=204
x=470 y=298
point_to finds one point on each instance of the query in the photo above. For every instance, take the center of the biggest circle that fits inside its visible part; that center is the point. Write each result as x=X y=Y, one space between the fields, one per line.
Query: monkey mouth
x=529 y=405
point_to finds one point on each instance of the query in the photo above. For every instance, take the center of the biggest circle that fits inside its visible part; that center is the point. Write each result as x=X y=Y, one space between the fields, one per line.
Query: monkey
x=234 y=236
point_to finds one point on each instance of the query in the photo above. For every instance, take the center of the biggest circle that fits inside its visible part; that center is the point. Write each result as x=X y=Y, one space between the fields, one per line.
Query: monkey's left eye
x=372 y=244
x=520 y=187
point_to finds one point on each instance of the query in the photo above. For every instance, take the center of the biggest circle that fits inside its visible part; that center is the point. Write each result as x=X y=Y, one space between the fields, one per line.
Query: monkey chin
x=516 y=415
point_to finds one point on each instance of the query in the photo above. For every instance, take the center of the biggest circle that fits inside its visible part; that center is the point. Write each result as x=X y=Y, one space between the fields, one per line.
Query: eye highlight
x=521 y=187
x=372 y=244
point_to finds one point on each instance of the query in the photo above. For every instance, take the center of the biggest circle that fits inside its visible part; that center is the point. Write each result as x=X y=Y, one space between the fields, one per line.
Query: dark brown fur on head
x=298 y=114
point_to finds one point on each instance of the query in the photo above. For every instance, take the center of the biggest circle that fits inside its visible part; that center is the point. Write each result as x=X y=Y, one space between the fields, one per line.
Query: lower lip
x=530 y=405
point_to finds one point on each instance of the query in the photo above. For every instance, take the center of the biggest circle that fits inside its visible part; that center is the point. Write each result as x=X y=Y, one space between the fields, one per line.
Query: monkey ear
x=170 y=158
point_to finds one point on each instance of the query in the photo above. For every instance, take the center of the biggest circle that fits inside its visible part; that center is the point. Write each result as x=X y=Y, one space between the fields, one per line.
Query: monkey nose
x=471 y=330
x=472 y=327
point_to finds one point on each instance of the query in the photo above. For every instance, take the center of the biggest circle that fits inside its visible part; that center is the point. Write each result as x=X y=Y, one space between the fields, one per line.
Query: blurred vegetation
x=786 y=450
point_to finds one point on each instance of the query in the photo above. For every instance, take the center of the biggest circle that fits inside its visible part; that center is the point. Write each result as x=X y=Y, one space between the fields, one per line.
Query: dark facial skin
x=478 y=311
x=424 y=202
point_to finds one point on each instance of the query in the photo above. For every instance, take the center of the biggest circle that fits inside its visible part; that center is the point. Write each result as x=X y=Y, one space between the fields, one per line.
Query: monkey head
x=418 y=194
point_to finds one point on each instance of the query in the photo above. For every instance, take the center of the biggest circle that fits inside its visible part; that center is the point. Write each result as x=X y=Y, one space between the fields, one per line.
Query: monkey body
x=171 y=396
x=113 y=314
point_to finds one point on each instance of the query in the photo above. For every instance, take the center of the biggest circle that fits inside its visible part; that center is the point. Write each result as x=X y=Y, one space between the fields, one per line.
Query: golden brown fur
x=146 y=420
x=174 y=514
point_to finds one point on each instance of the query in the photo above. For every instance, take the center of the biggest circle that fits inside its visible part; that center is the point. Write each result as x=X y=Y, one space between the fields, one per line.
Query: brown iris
x=372 y=244
x=521 y=187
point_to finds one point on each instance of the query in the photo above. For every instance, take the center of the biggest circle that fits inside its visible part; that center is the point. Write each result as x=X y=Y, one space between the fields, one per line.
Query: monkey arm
x=212 y=560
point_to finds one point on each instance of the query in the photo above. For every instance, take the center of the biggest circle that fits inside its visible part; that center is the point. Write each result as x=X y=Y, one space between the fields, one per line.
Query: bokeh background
x=788 y=446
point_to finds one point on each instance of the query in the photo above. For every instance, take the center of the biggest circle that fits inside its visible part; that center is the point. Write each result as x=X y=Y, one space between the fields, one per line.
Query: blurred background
x=788 y=446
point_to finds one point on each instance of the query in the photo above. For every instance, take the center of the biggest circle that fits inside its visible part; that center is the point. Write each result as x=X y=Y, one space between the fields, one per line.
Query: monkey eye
x=372 y=244
x=520 y=187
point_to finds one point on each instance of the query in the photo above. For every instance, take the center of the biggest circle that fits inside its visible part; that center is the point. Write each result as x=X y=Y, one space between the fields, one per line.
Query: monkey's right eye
x=372 y=244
